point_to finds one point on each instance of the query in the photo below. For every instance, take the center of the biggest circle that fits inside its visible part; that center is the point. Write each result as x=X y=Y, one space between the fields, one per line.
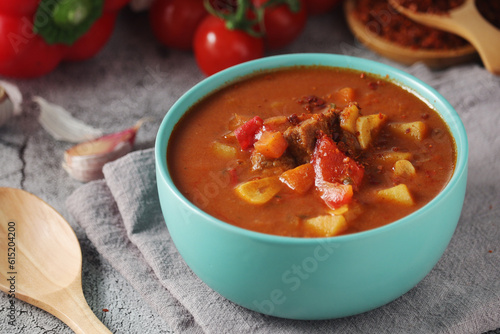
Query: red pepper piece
x=245 y=134
x=336 y=175
x=335 y=194
x=332 y=165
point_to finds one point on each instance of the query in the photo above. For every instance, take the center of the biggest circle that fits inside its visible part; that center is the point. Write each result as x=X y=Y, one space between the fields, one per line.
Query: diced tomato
x=335 y=194
x=336 y=175
x=331 y=165
x=245 y=134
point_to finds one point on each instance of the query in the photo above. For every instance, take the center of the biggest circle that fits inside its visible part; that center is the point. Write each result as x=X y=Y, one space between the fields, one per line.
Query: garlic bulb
x=84 y=161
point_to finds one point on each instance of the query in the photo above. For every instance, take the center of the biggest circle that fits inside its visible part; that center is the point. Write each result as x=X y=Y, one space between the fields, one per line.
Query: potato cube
x=399 y=194
x=224 y=151
x=368 y=127
x=325 y=226
x=259 y=191
x=417 y=130
x=404 y=168
x=348 y=118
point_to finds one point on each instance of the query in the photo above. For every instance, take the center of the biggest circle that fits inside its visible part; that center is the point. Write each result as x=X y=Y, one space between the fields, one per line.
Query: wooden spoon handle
x=70 y=306
x=79 y=317
x=471 y=25
x=467 y=22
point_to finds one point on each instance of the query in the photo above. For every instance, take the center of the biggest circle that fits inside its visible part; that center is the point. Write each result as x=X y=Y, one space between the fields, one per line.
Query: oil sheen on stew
x=311 y=152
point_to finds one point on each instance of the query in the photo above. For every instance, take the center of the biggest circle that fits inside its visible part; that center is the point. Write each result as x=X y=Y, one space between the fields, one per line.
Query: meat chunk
x=271 y=166
x=349 y=145
x=301 y=138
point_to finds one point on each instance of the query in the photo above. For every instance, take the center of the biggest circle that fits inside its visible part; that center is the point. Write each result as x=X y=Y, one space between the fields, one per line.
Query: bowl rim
x=213 y=83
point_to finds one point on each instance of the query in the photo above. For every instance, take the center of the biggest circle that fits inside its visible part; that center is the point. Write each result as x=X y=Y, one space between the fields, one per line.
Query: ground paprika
x=36 y=35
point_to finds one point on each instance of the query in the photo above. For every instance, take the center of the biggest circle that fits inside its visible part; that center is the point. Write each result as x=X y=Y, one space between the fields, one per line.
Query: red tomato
x=281 y=24
x=331 y=165
x=315 y=7
x=174 y=22
x=216 y=47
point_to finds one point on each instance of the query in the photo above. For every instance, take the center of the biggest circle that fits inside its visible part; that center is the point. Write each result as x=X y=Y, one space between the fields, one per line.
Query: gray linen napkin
x=122 y=217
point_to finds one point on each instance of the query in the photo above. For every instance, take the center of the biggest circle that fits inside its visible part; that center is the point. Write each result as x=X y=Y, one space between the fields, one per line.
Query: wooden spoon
x=41 y=260
x=405 y=55
x=467 y=22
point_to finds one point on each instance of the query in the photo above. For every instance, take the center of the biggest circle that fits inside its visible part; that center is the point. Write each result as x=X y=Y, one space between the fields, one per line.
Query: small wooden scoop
x=41 y=260
x=467 y=22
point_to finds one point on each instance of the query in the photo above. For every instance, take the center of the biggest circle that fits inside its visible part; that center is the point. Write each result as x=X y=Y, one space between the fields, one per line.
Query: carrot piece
x=271 y=144
x=300 y=179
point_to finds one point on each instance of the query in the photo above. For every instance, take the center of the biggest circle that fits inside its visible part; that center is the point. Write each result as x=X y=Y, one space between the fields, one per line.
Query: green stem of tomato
x=238 y=19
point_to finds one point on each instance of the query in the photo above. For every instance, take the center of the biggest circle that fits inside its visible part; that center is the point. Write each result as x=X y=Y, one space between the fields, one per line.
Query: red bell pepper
x=36 y=35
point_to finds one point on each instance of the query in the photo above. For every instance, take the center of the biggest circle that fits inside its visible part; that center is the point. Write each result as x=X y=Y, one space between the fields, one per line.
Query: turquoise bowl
x=321 y=278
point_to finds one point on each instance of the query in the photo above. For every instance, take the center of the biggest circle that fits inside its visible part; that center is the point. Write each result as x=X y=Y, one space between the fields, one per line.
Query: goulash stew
x=311 y=152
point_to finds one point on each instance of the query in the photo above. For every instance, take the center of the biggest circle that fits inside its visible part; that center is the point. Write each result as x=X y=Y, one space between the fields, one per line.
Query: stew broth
x=213 y=169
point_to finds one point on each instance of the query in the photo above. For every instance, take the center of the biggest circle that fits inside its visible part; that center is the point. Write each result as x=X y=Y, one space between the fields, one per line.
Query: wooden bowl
x=435 y=59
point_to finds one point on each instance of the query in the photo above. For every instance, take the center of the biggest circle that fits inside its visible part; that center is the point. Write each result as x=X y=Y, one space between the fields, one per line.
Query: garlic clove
x=6 y=107
x=103 y=144
x=89 y=168
x=14 y=94
x=84 y=161
x=61 y=125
